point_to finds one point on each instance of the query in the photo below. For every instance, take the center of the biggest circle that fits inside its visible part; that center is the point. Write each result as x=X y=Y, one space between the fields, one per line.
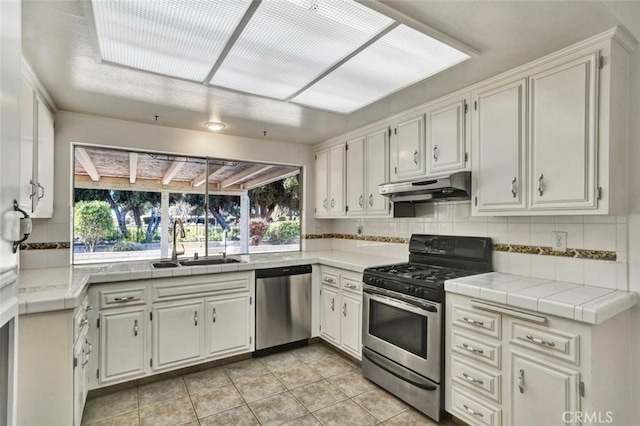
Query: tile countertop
x=592 y=305
x=52 y=289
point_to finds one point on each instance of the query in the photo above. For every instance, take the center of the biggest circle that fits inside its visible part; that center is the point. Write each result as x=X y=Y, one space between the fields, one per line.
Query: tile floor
x=306 y=386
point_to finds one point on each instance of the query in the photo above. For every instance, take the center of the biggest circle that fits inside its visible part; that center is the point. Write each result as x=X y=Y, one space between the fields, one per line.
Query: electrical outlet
x=359 y=229
x=559 y=241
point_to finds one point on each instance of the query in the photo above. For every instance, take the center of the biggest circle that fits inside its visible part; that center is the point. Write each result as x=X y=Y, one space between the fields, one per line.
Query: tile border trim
x=505 y=248
x=45 y=246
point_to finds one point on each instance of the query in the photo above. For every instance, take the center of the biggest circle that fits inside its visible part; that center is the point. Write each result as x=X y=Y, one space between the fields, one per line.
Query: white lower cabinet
x=123 y=351
x=529 y=369
x=177 y=334
x=341 y=310
x=150 y=326
x=228 y=326
x=536 y=384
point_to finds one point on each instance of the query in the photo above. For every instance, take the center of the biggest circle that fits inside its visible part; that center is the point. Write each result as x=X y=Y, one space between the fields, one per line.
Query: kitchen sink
x=160 y=265
x=210 y=261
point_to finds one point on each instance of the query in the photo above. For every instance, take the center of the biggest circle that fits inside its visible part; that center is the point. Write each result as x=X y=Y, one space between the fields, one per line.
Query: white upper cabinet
x=330 y=181
x=367 y=168
x=36 y=153
x=499 y=146
x=322 y=182
x=355 y=177
x=563 y=105
x=446 y=133
x=376 y=166
x=407 y=147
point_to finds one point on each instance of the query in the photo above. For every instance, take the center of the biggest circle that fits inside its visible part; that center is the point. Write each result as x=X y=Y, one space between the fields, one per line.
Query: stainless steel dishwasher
x=283 y=307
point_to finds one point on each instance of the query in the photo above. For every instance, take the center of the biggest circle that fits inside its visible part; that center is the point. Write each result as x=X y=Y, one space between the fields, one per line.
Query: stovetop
x=433 y=260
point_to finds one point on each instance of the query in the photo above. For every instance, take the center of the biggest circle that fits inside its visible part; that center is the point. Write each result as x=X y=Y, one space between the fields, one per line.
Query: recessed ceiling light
x=215 y=126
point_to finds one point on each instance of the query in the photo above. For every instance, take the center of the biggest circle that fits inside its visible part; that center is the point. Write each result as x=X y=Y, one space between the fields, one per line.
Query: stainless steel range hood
x=455 y=187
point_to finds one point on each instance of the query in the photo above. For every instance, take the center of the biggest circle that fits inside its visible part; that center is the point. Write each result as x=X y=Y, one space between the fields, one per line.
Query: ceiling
x=56 y=44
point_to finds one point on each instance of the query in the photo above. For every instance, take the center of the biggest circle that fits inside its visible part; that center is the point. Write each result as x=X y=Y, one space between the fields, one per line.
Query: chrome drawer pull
x=84 y=322
x=135 y=328
x=540 y=341
x=521 y=381
x=360 y=200
x=214 y=314
x=123 y=299
x=514 y=188
x=471 y=411
x=344 y=309
x=472 y=321
x=472 y=349
x=195 y=318
x=472 y=380
x=333 y=304
x=329 y=280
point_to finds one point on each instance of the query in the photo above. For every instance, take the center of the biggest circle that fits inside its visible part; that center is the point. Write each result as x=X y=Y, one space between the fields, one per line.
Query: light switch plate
x=559 y=241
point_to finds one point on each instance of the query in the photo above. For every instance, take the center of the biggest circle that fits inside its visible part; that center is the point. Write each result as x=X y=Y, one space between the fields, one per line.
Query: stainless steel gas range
x=403 y=316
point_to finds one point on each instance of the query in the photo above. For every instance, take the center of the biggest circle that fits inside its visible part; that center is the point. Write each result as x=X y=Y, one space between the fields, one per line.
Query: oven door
x=404 y=329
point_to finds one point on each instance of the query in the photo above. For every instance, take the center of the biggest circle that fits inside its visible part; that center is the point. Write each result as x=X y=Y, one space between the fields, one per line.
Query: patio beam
x=85 y=161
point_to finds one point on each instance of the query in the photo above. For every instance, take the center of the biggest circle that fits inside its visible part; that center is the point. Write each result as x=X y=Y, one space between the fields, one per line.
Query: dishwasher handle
x=284 y=271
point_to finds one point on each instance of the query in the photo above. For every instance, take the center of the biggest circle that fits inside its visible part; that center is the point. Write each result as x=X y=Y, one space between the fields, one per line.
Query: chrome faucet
x=177 y=224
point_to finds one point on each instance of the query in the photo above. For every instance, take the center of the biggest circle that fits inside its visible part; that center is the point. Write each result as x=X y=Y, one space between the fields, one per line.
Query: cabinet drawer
x=191 y=290
x=473 y=410
x=329 y=278
x=121 y=297
x=554 y=343
x=351 y=285
x=80 y=318
x=487 y=323
x=485 y=351
x=468 y=375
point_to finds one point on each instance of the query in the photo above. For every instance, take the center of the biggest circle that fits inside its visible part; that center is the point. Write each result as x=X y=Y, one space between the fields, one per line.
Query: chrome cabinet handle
x=86 y=359
x=521 y=381
x=195 y=318
x=89 y=308
x=540 y=341
x=214 y=314
x=360 y=200
x=90 y=347
x=123 y=299
x=471 y=411
x=329 y=280
x=41 y=187
x=135 y=328
x=371 y=200
x=514 y=188
x=540 y=185
x=333 y=203
x=435 y=151
x=472 y=379
x=415 y=157
x=344 y=309
x=85 y=321
x=34 y=188
x=324 y=203
x=472 y=349
x=473 y=321
x=333 y=304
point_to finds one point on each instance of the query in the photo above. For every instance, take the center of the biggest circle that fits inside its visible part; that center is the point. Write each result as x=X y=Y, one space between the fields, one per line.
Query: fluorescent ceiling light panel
x=288 y=43
x=176 y=38
x=398 y=59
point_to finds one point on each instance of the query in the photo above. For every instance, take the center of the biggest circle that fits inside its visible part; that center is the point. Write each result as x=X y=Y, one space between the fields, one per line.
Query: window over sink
x=126 y=204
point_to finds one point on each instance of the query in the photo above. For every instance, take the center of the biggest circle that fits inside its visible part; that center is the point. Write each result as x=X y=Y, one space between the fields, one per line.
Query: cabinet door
x=329 y=320
x=408 y=148
x=322 y=179
x=446 y=136
x=563 y=116
x=123 y=350
x=535 y=385
x=376 y=172
x=227 y=326
x=337 y=180
x=27 y=154
x=44 y=192
x=351 y=325
x=177 y=329
x=355 y=177
x=499 y=147
x=79 y=380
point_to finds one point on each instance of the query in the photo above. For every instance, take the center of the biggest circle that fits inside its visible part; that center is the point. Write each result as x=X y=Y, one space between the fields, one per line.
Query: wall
x=81 y=128
x=601 y=233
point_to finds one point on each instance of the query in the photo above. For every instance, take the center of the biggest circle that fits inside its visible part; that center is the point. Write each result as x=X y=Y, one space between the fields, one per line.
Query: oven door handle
x=391 y=368
x=400 y=300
